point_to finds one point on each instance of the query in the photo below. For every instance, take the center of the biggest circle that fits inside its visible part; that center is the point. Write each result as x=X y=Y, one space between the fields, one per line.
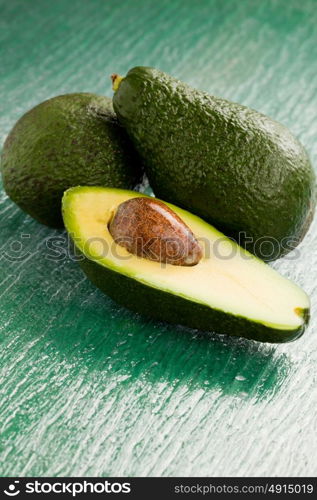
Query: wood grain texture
x=87 y=388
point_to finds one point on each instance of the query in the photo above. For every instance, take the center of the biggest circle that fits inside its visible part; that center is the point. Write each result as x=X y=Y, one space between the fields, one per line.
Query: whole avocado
x=66 y=141
x=233 y=166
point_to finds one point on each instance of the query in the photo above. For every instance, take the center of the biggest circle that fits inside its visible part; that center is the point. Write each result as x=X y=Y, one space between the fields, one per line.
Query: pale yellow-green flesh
x=227 y=278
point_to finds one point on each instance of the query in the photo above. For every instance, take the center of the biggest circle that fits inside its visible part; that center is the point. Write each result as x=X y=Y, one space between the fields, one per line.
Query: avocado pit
x=148 y=228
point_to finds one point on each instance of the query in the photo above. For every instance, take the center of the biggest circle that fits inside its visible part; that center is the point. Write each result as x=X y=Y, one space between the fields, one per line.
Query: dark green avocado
x=240 y=295
x=236 y=168
x=65 y=141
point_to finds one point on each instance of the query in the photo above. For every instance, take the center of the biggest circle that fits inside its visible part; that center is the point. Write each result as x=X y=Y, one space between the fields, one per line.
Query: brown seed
x=148 y=228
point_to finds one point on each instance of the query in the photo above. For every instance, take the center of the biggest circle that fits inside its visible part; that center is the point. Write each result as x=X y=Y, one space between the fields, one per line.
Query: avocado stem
x=302 y=313
x=116 y=80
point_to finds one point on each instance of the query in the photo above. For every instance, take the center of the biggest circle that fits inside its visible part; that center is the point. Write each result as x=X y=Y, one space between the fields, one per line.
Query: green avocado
x=236 y=168
x=229 y=291
x=65 y=141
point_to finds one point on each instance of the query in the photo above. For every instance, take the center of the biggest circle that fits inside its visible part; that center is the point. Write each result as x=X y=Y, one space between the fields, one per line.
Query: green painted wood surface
x=87 y=388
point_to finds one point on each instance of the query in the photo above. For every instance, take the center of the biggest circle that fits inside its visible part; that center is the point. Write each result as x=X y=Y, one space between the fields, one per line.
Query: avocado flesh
x=236 y=168
x=228 y=291
x=66 y=141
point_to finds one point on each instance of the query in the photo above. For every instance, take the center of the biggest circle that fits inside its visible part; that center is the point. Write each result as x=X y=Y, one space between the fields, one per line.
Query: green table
x=87 y=388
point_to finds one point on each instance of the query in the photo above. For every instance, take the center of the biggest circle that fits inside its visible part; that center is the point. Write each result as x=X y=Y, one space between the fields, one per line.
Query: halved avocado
x=229 y=291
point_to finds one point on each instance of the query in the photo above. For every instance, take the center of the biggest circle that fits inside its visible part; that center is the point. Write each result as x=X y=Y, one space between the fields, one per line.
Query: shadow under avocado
x=139 y=348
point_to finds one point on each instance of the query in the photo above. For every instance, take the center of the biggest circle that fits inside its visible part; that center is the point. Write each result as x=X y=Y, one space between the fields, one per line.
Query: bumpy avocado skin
x=66 y=141
x=236 y=168
x=164 y=306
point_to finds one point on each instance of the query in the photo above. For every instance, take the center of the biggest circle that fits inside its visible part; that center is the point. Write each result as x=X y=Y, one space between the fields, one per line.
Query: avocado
x=65 y=141
x=228 y=291
x=234 y=167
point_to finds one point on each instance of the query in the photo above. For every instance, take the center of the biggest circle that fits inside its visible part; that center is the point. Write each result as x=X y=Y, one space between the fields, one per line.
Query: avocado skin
x=236 y=168
x=63 y=142
x=164 y=306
